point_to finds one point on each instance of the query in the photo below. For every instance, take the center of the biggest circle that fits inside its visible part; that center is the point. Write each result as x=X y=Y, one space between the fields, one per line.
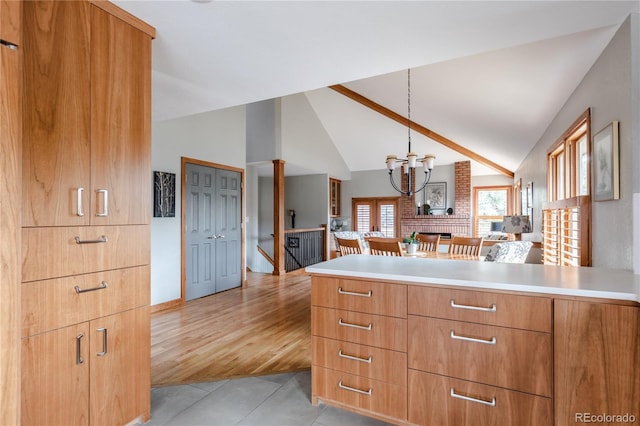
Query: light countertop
x=569 y=281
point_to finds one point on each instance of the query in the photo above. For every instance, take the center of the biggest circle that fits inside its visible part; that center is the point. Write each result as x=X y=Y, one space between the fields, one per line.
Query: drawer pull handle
x=491 y=341
x=102 y=239
x=79 y=359
x=102 y=286
x=104 y=341
x=80 y=211
x=473 y=308
x=491 y=403
x=353 y=357
x=354 y=293
x=361 y=327
x=349 y=388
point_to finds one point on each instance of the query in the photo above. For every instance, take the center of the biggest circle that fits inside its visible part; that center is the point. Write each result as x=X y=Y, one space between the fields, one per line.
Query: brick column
x=462 y=189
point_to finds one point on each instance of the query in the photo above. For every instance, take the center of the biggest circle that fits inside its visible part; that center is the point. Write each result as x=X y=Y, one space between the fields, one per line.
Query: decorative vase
x=412 y=248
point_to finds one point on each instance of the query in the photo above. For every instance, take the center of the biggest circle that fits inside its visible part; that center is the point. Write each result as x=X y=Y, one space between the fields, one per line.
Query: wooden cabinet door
x=56 y=140
x=55 y=377
x=10 y=18
x=120 y=121
x=597 y=359
x=120 y=354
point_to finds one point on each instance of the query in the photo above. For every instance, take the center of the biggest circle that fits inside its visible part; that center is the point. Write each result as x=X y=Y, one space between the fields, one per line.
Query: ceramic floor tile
x=289 y=405
x=168 y=401
x=228 y=404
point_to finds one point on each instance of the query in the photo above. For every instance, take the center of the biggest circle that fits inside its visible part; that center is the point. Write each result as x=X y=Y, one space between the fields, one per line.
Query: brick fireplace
x=458 y=223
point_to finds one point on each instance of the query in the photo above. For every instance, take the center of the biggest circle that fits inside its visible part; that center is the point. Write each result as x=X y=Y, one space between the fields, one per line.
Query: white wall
x=217 y=137
x=305 y=142
x=607 y=90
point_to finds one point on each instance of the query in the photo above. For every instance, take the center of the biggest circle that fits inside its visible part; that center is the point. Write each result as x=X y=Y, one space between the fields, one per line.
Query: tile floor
x=276 y=400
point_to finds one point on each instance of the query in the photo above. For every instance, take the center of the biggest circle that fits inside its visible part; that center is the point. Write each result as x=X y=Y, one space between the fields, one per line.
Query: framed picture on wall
x=164 y=194
x=606 y=174
x=435 y=195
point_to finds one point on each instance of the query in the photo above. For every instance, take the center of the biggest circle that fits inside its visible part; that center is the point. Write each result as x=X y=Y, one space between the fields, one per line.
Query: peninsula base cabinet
x=420 y=354
x=597 y=363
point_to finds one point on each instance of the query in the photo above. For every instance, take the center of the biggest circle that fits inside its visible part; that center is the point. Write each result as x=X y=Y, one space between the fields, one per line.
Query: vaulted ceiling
x=488 y=75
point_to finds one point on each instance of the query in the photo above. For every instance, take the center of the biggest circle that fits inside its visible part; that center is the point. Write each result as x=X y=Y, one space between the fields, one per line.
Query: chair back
x=385 y=247
x=346 y=246
x=428 y=242
x=469 y=246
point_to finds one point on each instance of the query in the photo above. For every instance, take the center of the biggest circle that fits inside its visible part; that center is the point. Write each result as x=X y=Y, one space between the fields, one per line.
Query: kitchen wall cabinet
x=86 y=213
x=334 y=196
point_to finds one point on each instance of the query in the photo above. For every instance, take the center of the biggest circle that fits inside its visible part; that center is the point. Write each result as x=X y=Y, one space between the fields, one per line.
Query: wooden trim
x=421 y=129
x=278 y=217
x=266 y=255
x=166 y=305
x=125 y=16
x=183 y=223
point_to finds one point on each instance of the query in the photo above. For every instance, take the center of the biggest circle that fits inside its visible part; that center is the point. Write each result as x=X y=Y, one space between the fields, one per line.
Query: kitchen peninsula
x=426 y=341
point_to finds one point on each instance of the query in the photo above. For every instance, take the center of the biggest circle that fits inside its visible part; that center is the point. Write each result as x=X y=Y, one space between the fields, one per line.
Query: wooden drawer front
x=526 y=312
x=379 y=364
x=431 y=403
x=52 y=304
x=371 y=330
x=518 y=359
x=359 y=392
x=360 y=296
x=53 y=252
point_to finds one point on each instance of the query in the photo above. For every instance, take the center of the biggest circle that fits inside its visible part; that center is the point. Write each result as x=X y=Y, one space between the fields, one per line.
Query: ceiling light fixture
x=409 y=164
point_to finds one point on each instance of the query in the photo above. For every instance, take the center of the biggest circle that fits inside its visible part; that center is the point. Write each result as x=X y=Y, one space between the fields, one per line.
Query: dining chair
x=470 y=246
x=346 y=246
x=428 y=242
x=385 y=247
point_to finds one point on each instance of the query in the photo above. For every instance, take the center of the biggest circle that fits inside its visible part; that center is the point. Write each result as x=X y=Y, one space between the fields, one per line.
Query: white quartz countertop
x=569 y=281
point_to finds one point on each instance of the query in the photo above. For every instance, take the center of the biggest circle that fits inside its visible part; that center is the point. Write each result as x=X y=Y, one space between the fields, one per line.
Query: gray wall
x=309 y=196
x=607 y=90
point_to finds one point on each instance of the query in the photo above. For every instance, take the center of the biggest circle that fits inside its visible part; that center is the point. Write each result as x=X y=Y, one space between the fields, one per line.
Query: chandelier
x=408 y=165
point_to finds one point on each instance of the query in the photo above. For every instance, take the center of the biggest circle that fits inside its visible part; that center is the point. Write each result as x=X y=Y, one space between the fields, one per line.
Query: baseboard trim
x=166 y=305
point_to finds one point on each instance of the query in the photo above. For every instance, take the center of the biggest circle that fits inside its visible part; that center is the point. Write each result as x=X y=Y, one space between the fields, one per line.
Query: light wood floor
x=263 y=329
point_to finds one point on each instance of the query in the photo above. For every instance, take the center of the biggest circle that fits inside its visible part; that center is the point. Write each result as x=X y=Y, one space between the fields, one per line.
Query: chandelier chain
x=409 y=106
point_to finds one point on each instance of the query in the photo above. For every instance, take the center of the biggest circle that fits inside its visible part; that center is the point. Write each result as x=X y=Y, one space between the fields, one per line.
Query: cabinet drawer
x=438 y=400
x=371 y=330
x=499 y=356
x=55 y=303
x=360 y=296
x=359 y=392
x=62 y=251
x=526 y=312
x=379 y=364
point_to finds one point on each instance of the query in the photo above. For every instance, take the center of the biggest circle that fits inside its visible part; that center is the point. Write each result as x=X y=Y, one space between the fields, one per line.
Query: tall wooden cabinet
x=85 y=215
x=10 y=176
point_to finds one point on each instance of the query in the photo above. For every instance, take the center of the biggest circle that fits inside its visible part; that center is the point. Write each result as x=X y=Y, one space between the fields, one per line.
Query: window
x=568 y=172
x=491 y=203
x=376 y=214
x=566 y=219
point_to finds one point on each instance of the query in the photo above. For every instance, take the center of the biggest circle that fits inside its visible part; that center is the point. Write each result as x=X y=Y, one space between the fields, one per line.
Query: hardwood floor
x=263 y=329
